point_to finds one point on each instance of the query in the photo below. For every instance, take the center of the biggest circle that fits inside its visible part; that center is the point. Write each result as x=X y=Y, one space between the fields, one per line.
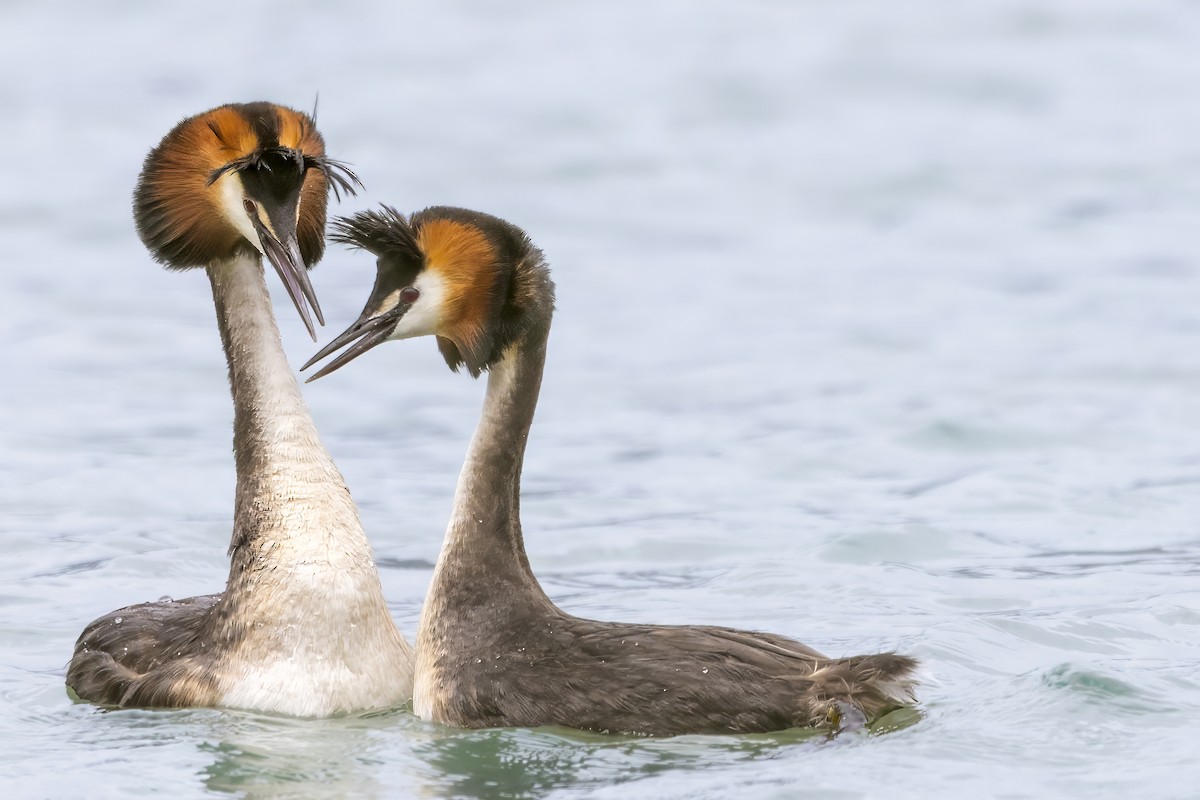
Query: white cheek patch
x=425 y=316
x=229 y=189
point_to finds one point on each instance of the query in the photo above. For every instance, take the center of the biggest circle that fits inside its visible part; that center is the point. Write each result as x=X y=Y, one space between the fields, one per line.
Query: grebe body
x=302 y=627
x=492 y=649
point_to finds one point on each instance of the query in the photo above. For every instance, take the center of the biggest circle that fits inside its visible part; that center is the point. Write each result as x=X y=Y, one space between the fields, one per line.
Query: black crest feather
x=384 y=233
x=341 y=178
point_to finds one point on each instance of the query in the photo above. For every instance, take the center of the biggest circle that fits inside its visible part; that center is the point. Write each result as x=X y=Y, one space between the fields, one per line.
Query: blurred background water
x=877 y=327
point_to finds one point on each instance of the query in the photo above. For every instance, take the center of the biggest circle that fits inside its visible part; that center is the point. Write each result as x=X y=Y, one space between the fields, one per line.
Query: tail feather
x=874 y=685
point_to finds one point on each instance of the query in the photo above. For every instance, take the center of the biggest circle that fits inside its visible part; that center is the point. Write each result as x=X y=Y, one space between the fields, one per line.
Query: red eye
x=409 y=295
x=249 y=206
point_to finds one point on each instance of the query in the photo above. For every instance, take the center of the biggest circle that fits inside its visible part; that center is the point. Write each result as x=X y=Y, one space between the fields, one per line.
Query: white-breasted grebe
x=302 y=627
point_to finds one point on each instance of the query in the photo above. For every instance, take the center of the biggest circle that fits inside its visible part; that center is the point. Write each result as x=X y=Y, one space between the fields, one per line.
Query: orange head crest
x=244 y=177
x=474 y=281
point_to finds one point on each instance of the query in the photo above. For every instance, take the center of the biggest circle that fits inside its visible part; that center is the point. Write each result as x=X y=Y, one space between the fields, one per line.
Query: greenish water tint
x=876 y=327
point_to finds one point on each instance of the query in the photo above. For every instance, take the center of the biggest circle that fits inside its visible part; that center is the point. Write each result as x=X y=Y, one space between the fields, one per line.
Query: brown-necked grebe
x=492 y=650
x=302 y=627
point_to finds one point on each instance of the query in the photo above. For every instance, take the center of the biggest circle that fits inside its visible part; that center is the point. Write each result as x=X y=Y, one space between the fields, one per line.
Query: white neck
x=303 y=600
x=288 y=489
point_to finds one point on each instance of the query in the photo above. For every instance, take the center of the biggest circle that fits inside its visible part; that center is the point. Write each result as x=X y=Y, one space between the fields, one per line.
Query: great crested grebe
x=492 y=650
x=302 y=627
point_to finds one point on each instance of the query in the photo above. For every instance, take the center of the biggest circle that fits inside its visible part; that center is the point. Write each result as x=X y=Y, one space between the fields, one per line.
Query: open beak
x=283 y=251
x=366 y=333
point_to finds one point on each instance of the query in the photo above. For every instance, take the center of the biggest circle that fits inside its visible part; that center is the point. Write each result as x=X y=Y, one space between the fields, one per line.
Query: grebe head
x=245 y=177
x=474 y=281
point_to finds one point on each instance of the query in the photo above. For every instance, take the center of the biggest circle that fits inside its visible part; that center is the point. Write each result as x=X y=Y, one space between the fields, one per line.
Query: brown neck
x=483 y=543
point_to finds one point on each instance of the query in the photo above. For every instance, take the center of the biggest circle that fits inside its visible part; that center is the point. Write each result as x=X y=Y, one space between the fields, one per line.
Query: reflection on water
x=254 y=756
x=532 y=763
x=258 y=756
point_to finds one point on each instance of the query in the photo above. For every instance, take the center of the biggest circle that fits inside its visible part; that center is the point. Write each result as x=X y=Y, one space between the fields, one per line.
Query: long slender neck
x=483 y=541
x=291 y=503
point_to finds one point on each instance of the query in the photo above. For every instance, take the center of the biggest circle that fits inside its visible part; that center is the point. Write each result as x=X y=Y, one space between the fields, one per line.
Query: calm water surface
x=877 y=327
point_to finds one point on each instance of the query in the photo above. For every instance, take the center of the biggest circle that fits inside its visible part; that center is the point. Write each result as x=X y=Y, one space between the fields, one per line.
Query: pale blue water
x=878 y=327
